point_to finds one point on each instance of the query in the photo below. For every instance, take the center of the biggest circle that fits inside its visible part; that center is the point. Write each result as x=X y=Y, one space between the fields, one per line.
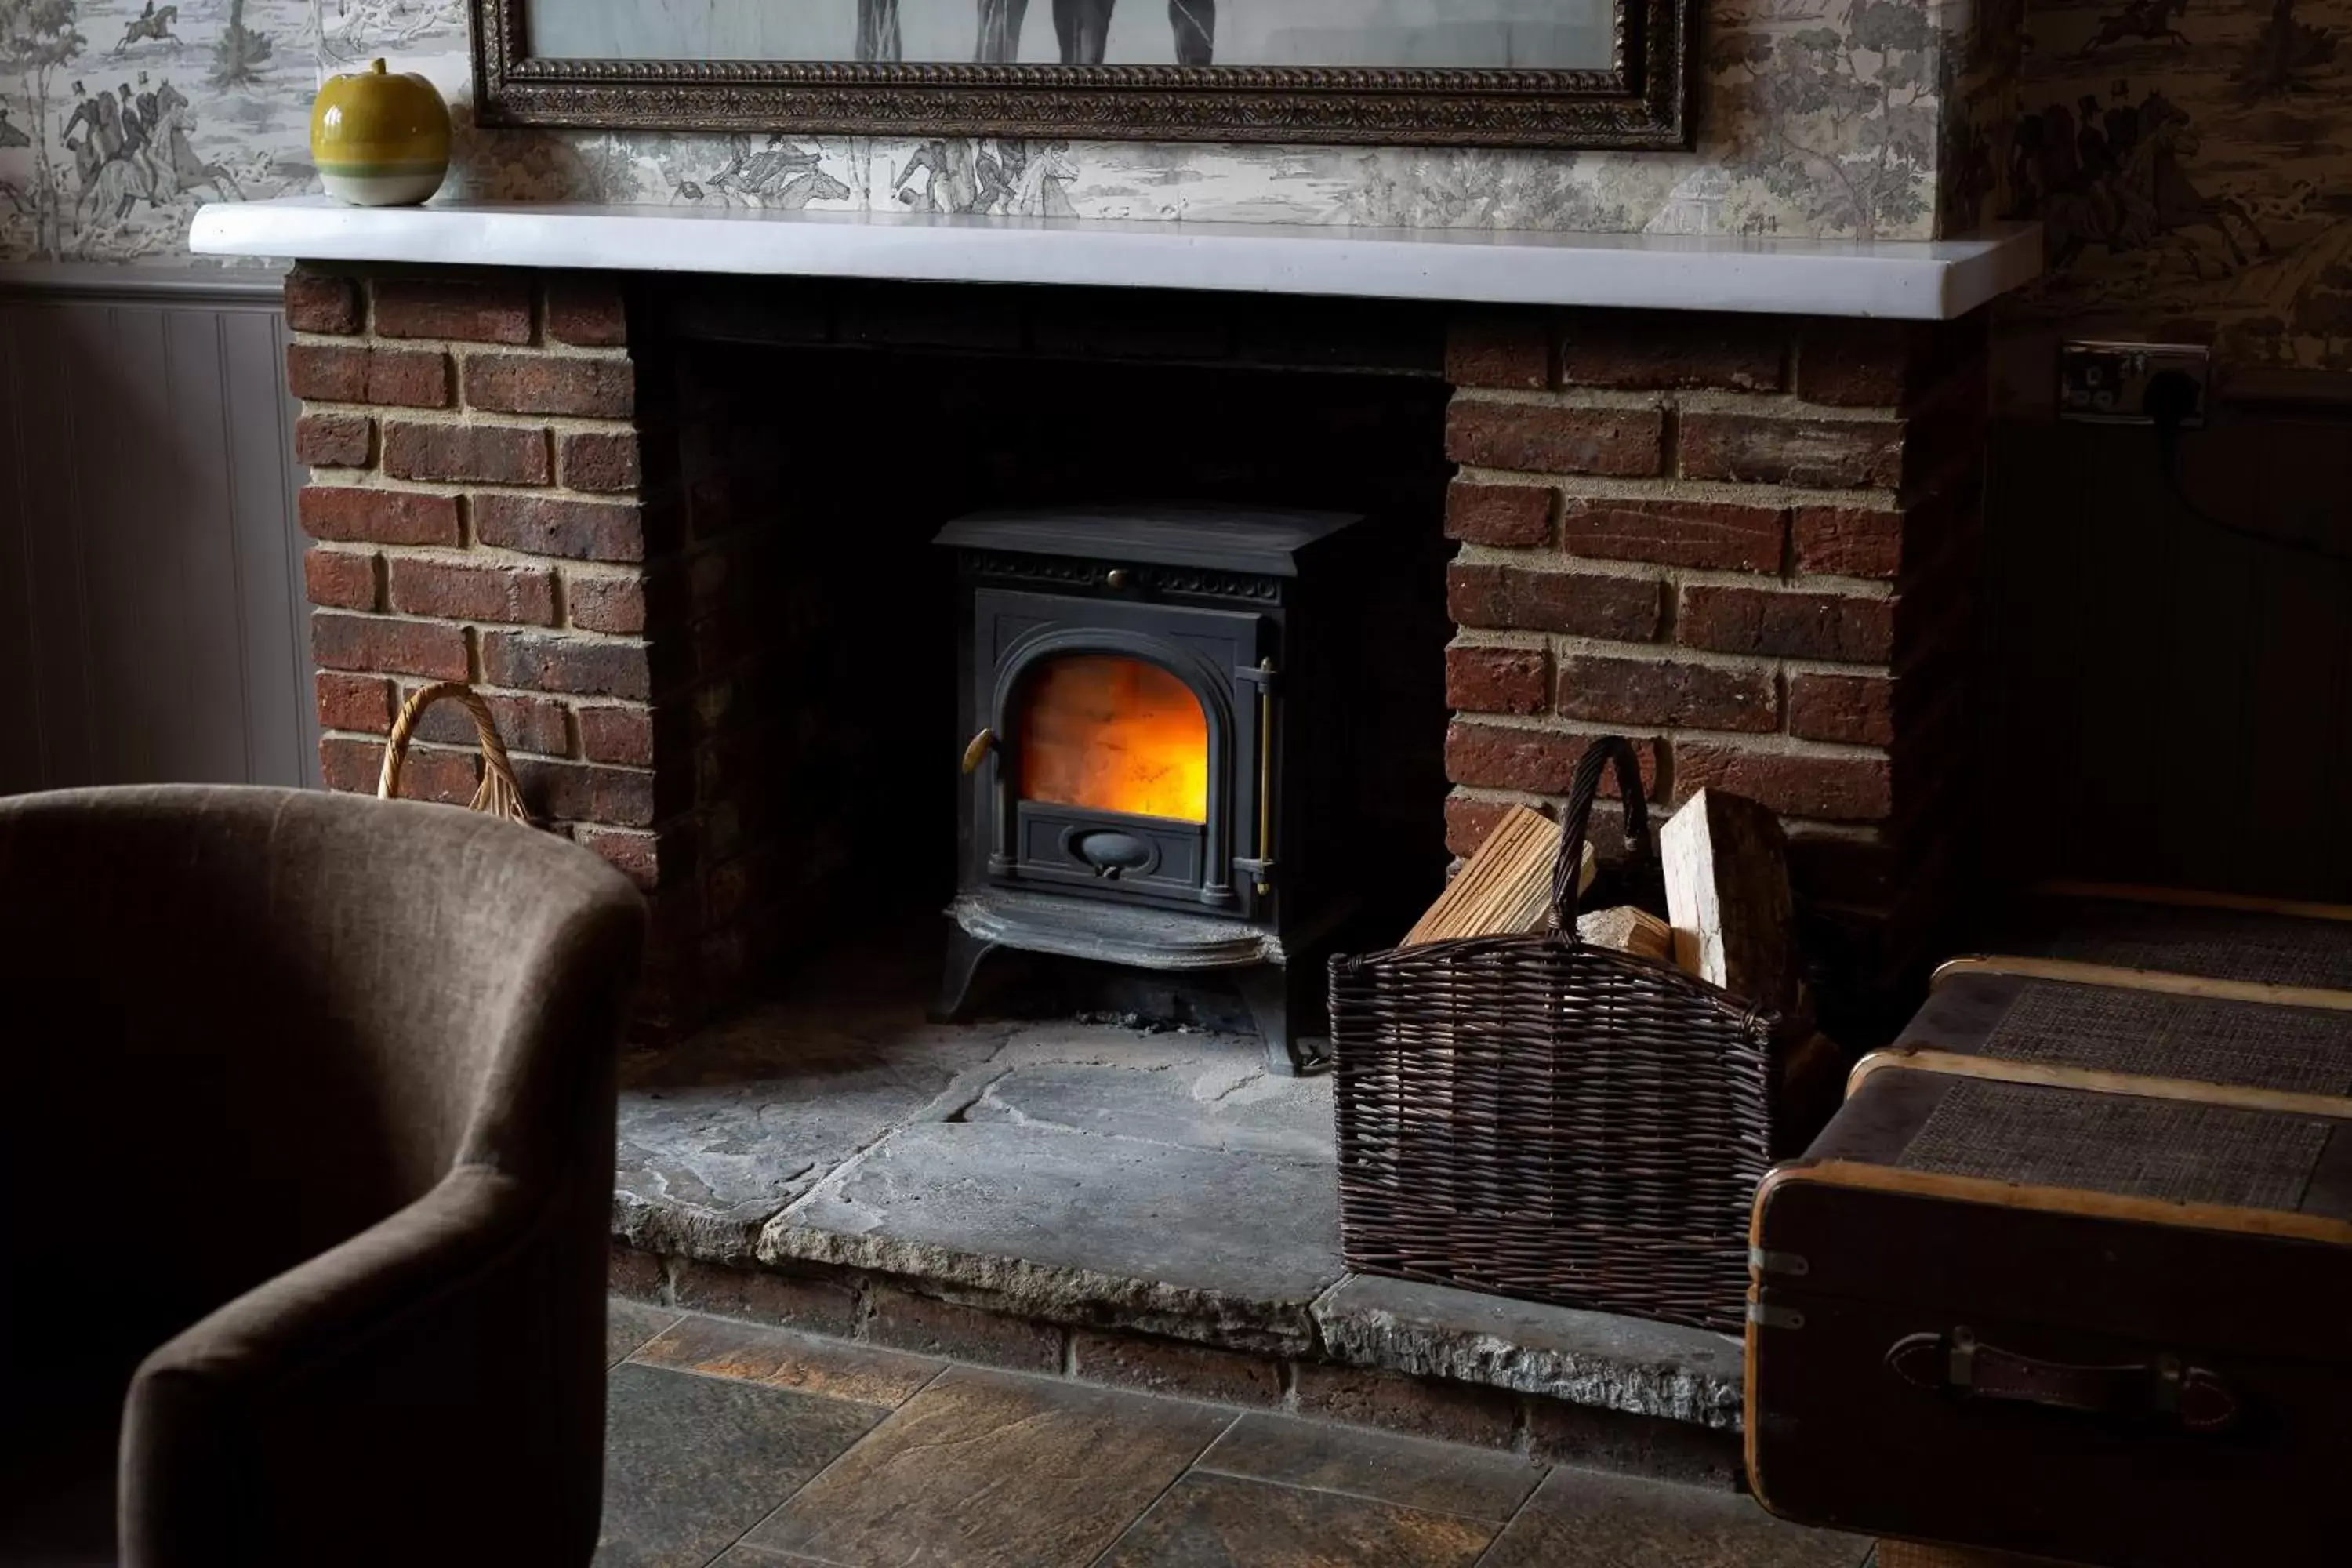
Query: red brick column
x=1748 y=541
x=482 y=510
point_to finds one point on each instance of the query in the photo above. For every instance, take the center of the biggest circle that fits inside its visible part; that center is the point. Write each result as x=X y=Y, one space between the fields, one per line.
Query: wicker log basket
x=1536 y=1117
x=498 y=794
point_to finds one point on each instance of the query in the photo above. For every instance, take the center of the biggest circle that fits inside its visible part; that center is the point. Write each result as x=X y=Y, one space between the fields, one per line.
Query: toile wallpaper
x=2190 y=162
x=2190 y=159
x=118 y=117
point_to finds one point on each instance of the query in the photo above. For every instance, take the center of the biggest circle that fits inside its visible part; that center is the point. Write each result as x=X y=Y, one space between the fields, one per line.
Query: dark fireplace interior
x=820 y=474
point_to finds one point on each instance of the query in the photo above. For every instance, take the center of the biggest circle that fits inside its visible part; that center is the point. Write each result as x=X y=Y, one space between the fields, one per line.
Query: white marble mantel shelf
x=1917 y=279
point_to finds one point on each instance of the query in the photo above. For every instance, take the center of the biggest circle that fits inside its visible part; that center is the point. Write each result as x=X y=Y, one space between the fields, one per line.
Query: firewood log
x=1505 y=887
x=1629 y=929
x=1727 y=872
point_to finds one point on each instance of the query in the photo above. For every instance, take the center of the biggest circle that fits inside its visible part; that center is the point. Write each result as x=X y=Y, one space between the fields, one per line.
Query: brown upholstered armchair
x=306 y=1139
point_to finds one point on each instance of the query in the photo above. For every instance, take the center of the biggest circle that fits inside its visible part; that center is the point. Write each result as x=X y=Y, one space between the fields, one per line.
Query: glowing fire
x=1114 y=734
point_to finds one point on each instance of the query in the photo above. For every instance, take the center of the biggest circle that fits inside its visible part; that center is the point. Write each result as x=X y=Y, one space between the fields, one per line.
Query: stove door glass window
x=1105 y=732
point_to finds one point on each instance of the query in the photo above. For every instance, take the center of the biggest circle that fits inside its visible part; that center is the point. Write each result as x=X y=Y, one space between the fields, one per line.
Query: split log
x=1629 y=929
x=1505 y=889
x=1727 y=869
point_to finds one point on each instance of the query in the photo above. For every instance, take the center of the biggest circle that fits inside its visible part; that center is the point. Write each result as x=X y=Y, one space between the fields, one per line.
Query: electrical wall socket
x=2107 y=384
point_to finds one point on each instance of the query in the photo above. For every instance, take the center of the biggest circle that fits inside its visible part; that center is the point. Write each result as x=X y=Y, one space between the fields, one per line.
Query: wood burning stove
x=1152 y=773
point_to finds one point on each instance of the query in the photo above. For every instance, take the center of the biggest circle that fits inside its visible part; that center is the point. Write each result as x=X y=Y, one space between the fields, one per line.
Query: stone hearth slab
x=1224 y=1103
x=1594 y=1359
x=1078 y=1175
x=1084 y=1227
x=720 y=1133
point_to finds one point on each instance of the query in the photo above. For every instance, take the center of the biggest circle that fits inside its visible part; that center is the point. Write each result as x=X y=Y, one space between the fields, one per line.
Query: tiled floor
x=752 y=1448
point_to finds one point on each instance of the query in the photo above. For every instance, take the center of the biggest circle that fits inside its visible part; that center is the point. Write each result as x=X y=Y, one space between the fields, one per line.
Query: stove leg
x=1281 y=998
x=964 y=952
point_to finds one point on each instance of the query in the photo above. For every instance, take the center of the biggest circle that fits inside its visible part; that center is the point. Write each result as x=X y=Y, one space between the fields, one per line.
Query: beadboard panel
x=151 y=567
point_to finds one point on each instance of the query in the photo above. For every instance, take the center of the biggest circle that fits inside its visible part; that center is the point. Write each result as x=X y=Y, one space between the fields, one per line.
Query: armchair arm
x=431 y=1391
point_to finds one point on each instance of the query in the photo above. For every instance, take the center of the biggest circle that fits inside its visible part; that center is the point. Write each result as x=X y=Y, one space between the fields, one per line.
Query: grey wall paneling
x=151 y=618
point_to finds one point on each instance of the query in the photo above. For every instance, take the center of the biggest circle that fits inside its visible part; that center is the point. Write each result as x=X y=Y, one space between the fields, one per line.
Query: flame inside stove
x=1110 y=733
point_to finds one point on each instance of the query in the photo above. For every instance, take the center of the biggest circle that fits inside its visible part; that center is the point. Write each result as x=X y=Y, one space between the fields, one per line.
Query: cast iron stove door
x=1128 y=762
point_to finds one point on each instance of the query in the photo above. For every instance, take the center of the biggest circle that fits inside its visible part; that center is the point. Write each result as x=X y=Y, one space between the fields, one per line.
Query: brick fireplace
x=629 y=510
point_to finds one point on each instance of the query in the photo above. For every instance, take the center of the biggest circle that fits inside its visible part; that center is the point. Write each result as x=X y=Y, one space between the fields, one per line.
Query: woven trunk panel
x=2253 y=1045
x=2221 y=944
x=2176 y=1150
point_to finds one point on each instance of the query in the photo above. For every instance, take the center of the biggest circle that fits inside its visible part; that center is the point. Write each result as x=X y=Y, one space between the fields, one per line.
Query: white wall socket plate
x=2107 y=384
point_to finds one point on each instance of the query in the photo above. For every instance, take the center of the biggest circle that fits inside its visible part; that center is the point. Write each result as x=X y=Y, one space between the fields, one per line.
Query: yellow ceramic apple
x=380 y=139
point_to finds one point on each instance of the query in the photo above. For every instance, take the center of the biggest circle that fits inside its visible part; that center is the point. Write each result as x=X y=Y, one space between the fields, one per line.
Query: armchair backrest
x=239 y=1026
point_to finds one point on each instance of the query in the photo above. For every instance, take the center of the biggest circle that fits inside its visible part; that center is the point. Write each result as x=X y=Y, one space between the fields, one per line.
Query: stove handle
x=1262 y=868
x=976 y=750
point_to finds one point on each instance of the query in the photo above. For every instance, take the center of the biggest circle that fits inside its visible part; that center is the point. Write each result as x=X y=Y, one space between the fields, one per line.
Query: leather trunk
x=2106 y=1327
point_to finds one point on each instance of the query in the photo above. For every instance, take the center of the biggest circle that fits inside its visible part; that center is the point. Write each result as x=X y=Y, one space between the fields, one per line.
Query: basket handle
x=499 y=793
x=1581 y=791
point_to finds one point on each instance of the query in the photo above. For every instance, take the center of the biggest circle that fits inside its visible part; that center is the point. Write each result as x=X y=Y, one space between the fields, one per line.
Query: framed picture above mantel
x=1483 y=73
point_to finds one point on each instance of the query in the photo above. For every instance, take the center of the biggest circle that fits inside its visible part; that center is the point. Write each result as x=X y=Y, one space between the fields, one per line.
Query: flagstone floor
x=747 y=1446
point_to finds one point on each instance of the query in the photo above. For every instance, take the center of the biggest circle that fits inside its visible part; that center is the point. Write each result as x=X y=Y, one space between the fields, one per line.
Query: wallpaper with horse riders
x=1821 y=117
x=2190 y=162
x=2191 y=159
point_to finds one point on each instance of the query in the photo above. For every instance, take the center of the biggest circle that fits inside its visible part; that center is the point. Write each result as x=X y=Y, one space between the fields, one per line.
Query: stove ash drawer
x=1126 y=855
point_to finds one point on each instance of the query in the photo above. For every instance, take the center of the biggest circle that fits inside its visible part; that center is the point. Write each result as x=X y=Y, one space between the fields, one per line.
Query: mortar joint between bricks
x=668 y=1264
x=1597 y=398
x=462 y=554
x=1784 y=405
x=1484 y=636
x=1486 y=795
x=861 y=1308
x=544 y=348
x=1565 y=564
x=1767 y=743
x=1797 y=666
x=468 y=416
x=377 y=480
x=1474 y=474
x=1732 y=492
x=1567 y=645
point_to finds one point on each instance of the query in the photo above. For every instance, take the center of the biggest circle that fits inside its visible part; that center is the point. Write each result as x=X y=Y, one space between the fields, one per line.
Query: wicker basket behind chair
x=1537 y=1117
x=497 y=795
